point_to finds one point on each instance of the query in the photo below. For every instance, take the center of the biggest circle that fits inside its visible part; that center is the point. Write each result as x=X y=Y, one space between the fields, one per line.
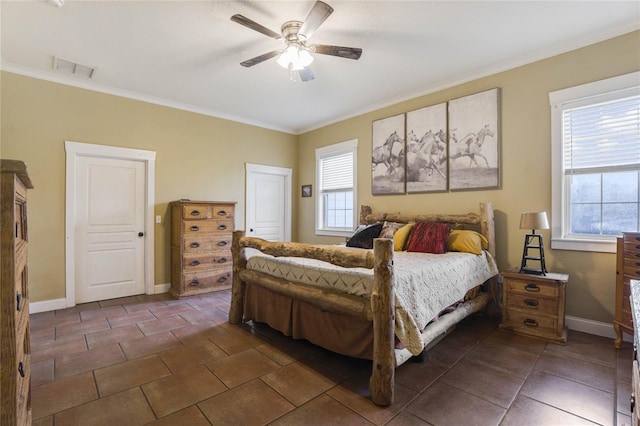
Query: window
x=336 y=183
x=595 y=163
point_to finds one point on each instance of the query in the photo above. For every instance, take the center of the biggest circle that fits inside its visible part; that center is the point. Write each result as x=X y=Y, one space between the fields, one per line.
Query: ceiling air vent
x=71 y=67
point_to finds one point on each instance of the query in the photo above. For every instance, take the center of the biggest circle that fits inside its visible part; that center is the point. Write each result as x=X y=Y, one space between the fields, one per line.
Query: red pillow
x=429 y=237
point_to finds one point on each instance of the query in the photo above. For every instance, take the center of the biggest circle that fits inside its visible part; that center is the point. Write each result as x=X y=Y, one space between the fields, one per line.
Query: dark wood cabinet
x=627 y=268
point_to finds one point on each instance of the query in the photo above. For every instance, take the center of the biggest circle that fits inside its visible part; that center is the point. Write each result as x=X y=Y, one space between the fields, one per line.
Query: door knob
x=140 y=234
x=251 y=230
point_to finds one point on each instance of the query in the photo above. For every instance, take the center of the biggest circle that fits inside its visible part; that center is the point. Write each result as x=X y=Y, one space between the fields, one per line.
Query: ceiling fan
x=297 y=54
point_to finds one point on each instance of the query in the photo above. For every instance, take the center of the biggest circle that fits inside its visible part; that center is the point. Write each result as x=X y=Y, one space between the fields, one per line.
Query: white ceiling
x=186 y=54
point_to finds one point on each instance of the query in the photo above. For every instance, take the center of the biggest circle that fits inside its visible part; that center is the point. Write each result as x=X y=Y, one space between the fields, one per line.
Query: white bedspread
x=425 y=284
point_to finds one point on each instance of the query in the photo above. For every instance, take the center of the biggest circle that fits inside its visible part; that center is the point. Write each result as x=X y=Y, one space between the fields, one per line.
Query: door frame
x=271 y=170
x=75 y=150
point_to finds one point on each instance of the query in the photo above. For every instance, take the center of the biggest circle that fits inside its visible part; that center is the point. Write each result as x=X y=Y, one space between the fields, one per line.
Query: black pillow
x=363 y=238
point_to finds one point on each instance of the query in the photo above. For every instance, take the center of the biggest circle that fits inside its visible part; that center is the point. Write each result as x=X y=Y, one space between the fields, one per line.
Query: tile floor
x=153 y=359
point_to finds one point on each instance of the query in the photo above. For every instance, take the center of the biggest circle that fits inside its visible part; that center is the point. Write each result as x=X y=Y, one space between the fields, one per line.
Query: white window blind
x=602 y=137
x=336 y=173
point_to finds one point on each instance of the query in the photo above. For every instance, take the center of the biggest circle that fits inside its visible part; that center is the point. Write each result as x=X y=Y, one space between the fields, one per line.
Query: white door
x=109 y=231
x=268 y=213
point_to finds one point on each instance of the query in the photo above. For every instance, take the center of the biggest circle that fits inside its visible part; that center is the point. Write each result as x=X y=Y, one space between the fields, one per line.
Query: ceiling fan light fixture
x=295 y=56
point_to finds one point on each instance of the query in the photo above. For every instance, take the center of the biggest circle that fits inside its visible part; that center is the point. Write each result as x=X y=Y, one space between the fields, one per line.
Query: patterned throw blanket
x=425 y=284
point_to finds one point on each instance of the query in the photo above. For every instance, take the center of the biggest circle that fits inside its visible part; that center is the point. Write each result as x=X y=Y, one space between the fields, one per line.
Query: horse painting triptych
x=421 y=151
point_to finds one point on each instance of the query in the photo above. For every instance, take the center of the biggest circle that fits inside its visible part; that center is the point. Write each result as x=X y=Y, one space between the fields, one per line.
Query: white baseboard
x=47 y=305
x=162 y=288
x=598 y=328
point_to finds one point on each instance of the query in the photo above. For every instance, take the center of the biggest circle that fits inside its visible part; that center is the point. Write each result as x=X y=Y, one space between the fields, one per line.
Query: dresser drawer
x=207 y=243
x=533 y=304
x=194 y=227
x=530 y=321
x=530 y=287
x=195 y=262
x=222 y=212
x=196 y=282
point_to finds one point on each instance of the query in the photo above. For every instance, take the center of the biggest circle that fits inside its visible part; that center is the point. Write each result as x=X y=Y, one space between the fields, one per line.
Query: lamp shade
x=534 y=220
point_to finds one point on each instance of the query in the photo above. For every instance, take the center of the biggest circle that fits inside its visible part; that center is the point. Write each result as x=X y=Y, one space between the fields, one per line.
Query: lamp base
x=533 y=242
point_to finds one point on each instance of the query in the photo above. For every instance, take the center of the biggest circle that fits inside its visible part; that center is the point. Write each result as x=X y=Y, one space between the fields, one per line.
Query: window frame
x=558 y=100
x=350 y=146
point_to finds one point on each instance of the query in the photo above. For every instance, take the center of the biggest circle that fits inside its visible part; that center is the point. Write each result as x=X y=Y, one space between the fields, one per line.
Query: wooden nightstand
x=533 y=305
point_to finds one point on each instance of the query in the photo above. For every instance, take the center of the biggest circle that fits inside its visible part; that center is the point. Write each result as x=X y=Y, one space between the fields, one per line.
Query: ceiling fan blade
x=306 y=74
x=255 y=61
x=243 y=20
x=343 y=52
x=318 y=14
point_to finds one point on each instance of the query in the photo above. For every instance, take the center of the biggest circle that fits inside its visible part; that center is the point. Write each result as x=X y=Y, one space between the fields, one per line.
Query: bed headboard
x=483 y=220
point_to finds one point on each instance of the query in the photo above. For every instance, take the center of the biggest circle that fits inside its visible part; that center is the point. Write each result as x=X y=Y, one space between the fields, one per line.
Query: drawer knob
x=531 y=302
x=222 y=243
x=530 y=322
x=638 y=246
x=21 y=369
x=195 y=228
x=532 y=287
x=195 y=245
x=222 y=260
x=195 y=262
x=194 y=283
x=222 y=213
x=19 y=301
x=222 y=227
x=195 y=213
x=222 y=279
x=632 y=402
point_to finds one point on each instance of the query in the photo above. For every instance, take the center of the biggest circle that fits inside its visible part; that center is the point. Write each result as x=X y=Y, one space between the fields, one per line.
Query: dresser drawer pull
x=222 y=227
x=531 y=302
x=195 y=245
x=222 y=260
x=195 y=262
x=530 y=322
x=632 y=402
x=222 y=279
x=637 y=254
x=19 y=301
x=195 y=213
x=638 y=247
x=194 y=283
x=222 y=213
x=21 y=369
x=637 y=238
x=222 y=243
x=532 y=287
x=195 y=228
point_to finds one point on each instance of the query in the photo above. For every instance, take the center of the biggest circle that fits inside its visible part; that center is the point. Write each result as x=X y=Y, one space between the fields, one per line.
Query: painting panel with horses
x=427 y=149
x=474 y=141
x=388 y=156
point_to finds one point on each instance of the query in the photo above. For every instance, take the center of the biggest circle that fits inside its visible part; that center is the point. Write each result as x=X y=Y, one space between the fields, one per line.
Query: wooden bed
x=375 y=315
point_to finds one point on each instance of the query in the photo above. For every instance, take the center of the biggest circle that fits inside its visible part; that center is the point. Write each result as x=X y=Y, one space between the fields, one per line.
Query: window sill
x=334 y=233
x=584 y=245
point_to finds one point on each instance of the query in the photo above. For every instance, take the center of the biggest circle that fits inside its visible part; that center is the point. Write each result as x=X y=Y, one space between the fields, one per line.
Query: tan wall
x=526 y=164
x=197 y=157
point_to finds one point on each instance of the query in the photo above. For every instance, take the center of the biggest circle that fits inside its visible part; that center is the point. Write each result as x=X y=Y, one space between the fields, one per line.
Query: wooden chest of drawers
x=534 y=305
x=627 y=268
x=201 y=246
x=15 y=352
x=634 y=398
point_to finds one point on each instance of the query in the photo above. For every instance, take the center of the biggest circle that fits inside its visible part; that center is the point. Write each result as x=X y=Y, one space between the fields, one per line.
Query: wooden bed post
x=487 y=226
x=381 y=384
x=236 y=310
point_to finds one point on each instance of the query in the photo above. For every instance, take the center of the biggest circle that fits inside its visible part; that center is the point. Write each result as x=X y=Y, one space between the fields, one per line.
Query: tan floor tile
x=44 y=421
x=118 y=301
x=199 y=352
x=299 y=383
x=127 y=318
x=72 y=364
x=101 y=312
x=419 y=375
x=586 y=347
x=322 y=411
x=126 y=408
x=623 y=396
x=240 y=368
x=407 y=419
x=62 y=394
x=167 y=311
x=146 y=306
x=114 y=335
x=41 y=372
x=129 y=374
x=504 y=358
x=585 y=372
x=195 y=333
x=524 y=409
x=182 y=389
x=190 y=416
x=205 y=316
x=253 y=403
x=147 y=345
x=38 y=323
x=237 y=341
x=341 y=365
x=43 y=350
x=43 y=334
x=80 y=328
x=159 y=325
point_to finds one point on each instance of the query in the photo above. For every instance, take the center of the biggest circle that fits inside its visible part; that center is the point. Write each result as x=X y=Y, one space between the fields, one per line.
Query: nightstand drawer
x=531 y=287
x=533 y=304
x=533 y=322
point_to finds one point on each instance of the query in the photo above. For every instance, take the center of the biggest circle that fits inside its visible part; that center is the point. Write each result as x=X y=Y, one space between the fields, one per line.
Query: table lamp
x=533 y=241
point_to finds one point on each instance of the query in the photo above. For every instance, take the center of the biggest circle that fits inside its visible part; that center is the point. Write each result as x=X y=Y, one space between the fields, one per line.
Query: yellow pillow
x=401 y=236
x=466 y=241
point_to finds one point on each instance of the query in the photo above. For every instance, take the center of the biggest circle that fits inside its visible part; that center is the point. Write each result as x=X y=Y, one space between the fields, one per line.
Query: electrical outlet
x=158 y=219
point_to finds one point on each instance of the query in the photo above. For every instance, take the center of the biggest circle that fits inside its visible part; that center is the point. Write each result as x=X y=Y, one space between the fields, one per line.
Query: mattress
x=425 y=283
